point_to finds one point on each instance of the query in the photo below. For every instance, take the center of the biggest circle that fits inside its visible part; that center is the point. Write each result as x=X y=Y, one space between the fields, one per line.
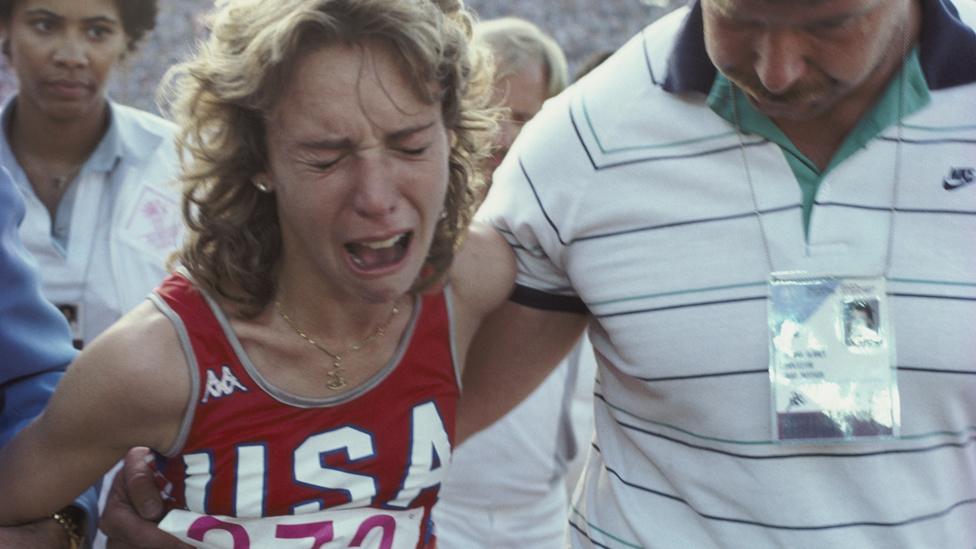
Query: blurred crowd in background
x=582 y=27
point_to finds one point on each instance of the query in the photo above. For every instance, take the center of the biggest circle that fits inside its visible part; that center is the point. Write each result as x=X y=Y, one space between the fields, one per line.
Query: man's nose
x=780 y=59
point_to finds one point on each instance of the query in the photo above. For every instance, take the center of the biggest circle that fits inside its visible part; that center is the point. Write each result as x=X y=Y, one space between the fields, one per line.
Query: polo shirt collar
x=946 y=50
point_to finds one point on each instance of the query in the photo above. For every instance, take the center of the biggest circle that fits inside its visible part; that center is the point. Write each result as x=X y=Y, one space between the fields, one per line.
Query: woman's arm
x=514 y=350
x=130 y=387
x=510 y=348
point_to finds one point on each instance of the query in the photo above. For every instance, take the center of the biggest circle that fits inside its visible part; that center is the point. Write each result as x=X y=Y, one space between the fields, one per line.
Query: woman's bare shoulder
x=139 y=366
x=143 y=338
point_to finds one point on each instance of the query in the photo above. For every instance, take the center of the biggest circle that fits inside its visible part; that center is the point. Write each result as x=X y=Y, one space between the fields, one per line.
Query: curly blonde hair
x=220 y=98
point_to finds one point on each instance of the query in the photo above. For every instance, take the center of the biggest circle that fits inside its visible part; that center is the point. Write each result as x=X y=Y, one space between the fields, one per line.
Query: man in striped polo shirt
x=652 y=201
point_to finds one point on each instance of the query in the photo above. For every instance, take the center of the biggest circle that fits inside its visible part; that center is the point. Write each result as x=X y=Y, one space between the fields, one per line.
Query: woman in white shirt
x=101 y=216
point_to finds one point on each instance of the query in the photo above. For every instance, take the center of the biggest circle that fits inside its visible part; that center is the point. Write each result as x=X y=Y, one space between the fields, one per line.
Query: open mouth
x=376 y=255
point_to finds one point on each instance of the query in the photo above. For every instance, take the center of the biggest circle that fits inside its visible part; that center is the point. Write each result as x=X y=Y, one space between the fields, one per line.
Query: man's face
x=799 y=59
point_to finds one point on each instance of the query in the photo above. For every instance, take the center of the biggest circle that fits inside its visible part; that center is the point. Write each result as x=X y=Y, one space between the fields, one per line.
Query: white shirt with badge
x=120 y=219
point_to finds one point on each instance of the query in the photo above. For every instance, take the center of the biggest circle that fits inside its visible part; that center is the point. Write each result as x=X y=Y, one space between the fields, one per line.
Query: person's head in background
x=63 y=51
x=530 y=67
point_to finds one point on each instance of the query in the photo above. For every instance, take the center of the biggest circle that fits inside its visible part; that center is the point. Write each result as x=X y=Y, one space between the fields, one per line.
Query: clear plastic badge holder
x=831 y=360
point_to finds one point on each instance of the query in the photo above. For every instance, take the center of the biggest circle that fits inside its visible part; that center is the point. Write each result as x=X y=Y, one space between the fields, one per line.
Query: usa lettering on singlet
x=255 y=466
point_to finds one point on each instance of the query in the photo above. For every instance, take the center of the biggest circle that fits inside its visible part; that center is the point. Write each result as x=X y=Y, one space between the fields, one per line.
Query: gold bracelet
x=66 y=519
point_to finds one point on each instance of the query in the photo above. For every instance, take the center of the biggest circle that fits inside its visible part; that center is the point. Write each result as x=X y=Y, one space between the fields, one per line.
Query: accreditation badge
x=73 y=314
x=831 y=359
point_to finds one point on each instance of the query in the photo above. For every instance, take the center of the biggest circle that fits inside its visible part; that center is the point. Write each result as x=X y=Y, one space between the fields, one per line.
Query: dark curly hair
x=138 y=17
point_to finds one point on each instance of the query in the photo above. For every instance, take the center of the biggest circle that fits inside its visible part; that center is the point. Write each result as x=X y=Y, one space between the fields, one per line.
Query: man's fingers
x=132 y=506
x=125 y=529
x=139 y=484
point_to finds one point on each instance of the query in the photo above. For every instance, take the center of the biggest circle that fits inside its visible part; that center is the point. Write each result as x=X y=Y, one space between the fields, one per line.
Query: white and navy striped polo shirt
x=627 y=197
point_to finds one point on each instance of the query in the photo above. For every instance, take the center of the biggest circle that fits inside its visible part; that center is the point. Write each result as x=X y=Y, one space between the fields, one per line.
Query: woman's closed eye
x=413 y=151
x=324 y=164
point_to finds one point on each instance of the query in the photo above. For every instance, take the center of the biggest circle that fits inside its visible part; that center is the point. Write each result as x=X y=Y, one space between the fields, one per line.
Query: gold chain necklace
x=335 y=378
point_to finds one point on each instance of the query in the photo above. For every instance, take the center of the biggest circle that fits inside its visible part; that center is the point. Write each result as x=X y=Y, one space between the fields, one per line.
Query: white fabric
x=540 y=524
x=124 y=224
x=509 y=481
x=637 y=202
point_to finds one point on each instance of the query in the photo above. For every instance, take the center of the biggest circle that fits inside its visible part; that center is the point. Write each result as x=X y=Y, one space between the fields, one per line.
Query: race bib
x=831 y=359
x=365 y=528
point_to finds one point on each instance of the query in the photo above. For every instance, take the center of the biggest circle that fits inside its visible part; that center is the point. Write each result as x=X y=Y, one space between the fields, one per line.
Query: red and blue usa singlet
x=255 y=466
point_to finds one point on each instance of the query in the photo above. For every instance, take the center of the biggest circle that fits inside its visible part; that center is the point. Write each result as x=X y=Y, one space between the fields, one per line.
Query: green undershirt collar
x=882 y=115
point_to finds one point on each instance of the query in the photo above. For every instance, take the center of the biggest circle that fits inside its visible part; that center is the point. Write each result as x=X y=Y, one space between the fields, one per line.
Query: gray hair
x=517 y=44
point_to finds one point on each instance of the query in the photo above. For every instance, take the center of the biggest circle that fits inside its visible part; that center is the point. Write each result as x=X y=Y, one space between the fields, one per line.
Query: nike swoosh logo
x=959 y=178
x=952 y=184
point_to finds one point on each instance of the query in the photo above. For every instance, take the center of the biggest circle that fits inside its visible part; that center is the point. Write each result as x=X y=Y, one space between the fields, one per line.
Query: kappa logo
x=221 y=386
x=959 y=177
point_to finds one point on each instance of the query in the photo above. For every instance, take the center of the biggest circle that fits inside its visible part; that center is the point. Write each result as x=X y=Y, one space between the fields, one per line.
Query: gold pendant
x=335 y=380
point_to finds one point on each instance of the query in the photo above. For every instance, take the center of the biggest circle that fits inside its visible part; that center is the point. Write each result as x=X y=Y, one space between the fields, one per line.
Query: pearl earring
x=262 y=185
